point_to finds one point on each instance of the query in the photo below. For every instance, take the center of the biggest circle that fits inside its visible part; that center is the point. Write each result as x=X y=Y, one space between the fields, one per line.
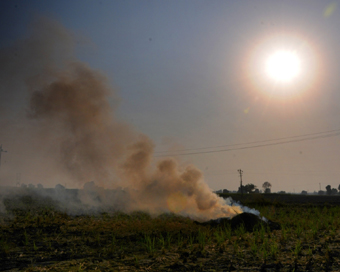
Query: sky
x=190 y=75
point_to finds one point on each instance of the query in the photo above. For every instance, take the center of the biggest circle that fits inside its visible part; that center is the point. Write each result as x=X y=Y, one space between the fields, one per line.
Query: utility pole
x=240 y=172
x=1 y=150
x=18 y=178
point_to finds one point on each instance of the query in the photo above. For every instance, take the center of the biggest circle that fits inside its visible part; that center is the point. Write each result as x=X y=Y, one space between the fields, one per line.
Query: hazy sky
x=190 y=75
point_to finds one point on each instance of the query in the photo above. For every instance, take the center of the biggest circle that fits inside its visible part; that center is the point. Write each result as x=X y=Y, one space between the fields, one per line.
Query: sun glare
x=283 y=66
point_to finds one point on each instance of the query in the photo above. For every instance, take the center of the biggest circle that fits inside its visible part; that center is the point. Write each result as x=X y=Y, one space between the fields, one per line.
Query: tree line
x=250 y=188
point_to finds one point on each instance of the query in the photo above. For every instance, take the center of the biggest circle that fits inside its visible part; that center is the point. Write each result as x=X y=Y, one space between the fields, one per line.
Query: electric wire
x=312 y=137
x=263 y=141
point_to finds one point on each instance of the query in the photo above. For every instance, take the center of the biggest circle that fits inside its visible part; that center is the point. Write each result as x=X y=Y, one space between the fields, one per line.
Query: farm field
x=276 y=198
x=37 y=237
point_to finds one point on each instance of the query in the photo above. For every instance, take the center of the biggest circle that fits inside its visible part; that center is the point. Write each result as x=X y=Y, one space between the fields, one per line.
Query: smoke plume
x=75 y=106
x=69 y=133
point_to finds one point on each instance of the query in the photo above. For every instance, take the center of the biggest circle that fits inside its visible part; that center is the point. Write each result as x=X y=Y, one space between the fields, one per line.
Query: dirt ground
x=44 y=239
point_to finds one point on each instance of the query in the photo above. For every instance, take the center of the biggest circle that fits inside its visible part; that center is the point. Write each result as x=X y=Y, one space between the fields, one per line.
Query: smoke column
x=66 y=131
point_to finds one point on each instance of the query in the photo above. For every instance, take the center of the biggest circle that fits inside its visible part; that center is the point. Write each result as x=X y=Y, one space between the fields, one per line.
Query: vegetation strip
x=45 y=239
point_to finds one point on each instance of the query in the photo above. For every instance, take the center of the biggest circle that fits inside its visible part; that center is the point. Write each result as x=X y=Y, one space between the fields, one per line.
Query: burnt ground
x=38 y=238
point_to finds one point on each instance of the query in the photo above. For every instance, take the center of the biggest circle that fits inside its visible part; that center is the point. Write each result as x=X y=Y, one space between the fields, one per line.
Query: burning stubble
x=70 y=115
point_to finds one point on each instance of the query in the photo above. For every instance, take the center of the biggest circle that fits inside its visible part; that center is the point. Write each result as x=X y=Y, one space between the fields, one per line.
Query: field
x=37 y=237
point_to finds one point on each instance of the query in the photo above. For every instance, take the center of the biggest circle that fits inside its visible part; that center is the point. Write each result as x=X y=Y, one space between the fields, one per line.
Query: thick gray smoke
x=74 y=105
x=68 y=134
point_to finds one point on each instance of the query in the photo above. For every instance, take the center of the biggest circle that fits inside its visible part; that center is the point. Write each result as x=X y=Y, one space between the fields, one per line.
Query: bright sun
x=283 y=66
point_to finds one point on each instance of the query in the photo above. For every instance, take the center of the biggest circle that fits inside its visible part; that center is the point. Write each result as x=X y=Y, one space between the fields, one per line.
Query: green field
x=34 y=237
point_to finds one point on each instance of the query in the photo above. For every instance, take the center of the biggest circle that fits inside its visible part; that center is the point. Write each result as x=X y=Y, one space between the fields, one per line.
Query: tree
x=331 y=191
x=250 y=188
x=59 y=187
x=241 y=189
x=266 y=186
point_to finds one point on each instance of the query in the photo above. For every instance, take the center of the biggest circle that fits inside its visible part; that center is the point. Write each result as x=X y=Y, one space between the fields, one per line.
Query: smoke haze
x=59 y=127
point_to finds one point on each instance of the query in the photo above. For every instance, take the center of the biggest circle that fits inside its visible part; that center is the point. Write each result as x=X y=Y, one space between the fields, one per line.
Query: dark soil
x=45 y=239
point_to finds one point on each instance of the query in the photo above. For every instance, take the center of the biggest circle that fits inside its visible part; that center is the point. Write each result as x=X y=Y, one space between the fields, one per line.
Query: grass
x=254 y=248
x=149 y=243
x=168 y=239
x=139 y=241
x=4 y=246
x=297 y=249
x=201 y=238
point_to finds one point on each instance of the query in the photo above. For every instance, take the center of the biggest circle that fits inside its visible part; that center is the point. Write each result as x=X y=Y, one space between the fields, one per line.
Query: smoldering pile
x=249 y=221
x=248 y=218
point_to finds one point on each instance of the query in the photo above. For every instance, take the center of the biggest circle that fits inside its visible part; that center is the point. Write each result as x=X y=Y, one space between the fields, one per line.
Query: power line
x=331 y=134
x=285 y=173
x=256 y=142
